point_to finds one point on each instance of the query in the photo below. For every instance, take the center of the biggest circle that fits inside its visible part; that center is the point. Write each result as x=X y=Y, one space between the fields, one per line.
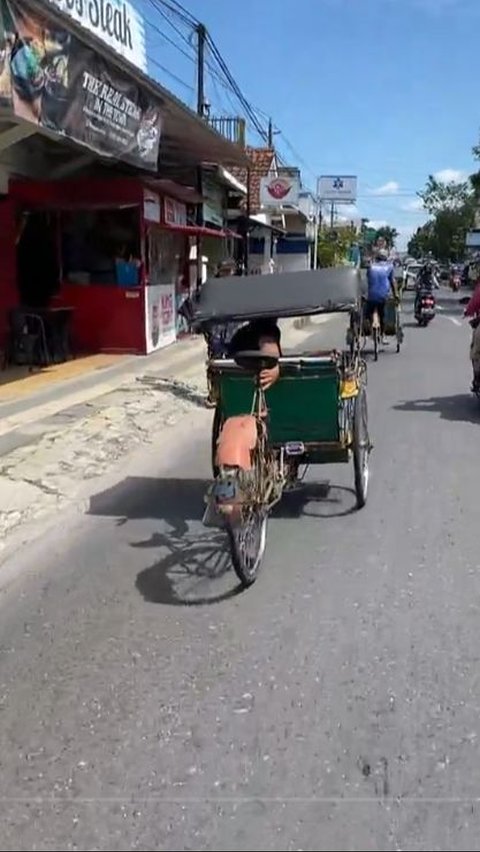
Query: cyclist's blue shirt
x=379 y=277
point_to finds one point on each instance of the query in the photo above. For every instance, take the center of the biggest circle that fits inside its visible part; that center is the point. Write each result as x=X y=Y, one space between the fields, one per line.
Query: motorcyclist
x=426 y=280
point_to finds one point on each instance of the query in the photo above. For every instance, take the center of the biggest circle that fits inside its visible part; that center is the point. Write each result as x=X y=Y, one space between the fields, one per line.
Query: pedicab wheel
x=248 y=537
x=361 y=448
x=216 y=429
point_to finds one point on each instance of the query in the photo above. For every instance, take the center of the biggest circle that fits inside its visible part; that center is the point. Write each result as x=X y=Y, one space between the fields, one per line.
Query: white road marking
x=452 y=319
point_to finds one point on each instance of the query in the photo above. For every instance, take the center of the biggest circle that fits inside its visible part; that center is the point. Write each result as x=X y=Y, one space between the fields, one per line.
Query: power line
x=181 y=12
x=170 y=73
x=165 y=36
x=223 y=76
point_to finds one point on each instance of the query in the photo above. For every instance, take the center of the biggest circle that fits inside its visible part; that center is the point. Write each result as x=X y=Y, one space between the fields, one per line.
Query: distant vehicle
x=443 y=271
x=410 y=275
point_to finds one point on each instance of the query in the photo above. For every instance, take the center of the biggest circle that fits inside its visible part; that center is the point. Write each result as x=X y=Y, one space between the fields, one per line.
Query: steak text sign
x=116 y=22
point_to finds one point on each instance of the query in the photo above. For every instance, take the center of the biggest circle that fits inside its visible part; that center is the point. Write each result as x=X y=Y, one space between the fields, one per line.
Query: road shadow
x=460 y=408
x=189 y=564
x=316 y=500
x=189 y=570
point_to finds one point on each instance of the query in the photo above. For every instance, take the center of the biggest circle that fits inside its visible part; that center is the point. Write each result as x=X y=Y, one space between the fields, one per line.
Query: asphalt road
x=145 y=704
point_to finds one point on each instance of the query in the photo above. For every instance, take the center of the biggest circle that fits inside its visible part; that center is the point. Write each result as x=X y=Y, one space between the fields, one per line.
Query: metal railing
x=232 y=129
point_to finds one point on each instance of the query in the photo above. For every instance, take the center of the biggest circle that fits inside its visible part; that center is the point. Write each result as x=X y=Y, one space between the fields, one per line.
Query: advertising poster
x=50 y=78
x=160 y=322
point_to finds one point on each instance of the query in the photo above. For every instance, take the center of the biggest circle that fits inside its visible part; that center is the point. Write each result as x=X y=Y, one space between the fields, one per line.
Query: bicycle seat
x=255 y=361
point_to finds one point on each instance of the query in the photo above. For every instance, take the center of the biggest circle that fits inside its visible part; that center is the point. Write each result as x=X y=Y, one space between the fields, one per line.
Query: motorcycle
x=425 y=308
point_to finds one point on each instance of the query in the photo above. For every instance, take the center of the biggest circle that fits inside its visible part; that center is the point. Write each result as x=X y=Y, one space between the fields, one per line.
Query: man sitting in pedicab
x=261 y=335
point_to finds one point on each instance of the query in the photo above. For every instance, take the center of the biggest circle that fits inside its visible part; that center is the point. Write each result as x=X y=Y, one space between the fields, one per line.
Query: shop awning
x=201 y=231
x=187 y=194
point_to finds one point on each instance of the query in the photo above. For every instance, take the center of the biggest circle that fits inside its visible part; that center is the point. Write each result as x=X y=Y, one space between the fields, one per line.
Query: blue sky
x=385 y=89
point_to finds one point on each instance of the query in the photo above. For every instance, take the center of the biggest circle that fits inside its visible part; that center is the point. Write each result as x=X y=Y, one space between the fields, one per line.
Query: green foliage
x=334 y=246
x=388 y=234
x=452 y=210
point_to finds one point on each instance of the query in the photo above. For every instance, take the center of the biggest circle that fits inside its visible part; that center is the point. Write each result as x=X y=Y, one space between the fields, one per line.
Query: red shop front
x=119 y=257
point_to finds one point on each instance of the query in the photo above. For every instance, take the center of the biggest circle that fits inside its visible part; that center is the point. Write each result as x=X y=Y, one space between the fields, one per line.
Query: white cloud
x=377 y=223
x=450 y=175
x=389 y=188
x=414 y=206
x=405 y=232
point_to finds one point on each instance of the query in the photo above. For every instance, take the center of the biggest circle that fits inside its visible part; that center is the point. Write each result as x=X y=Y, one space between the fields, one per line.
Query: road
x=145 y=704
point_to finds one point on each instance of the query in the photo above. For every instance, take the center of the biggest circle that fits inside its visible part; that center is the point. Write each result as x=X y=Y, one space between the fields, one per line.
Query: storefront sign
x=279 y=191
x=160 y=323
x=175 y=212
x=51 y=79
x=116 y=22
x=151 y=207
x=337 y=188
x=213 y=206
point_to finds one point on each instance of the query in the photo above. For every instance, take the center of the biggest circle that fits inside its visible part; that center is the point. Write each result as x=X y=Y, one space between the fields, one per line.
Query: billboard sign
x=337 y=188
x=116 y=22
x=52 y=79
x=279 y=191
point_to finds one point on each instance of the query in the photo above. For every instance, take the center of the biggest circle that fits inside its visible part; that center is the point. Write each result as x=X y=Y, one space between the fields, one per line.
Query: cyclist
x=381 y=282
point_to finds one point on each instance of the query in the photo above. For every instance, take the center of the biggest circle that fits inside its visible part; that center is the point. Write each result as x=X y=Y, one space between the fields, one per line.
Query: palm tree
x=388 y=234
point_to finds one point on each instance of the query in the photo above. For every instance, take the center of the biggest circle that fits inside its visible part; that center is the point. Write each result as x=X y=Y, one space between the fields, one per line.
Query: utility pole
x=332 y=215
x=201 y=38
x=270 y=133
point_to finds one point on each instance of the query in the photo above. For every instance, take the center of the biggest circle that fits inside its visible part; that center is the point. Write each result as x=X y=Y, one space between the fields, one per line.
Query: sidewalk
x=26 y=403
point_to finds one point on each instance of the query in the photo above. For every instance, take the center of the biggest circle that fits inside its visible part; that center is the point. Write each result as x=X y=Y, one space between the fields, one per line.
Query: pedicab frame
x=316 y=413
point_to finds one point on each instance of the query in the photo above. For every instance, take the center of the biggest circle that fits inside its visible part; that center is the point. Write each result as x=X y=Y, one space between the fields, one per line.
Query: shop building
x=91 y=223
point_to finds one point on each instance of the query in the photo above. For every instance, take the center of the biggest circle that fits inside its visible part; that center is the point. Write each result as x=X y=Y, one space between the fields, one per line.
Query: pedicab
x=392 y=325
x=314 y=414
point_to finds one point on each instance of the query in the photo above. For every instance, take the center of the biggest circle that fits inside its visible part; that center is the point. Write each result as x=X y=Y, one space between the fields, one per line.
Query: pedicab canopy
x=286 y=294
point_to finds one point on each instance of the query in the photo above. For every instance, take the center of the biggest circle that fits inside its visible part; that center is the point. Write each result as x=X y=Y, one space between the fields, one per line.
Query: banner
x=50 y=78
x=160 y=322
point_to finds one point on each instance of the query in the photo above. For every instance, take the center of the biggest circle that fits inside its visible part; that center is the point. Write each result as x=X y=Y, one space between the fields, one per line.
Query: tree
x=452 y=208
x=388 y=234
x=334 y=246
x=422 y=241
x=438 y=196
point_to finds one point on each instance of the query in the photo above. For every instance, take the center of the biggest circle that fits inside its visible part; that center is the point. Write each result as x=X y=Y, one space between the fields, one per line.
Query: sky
x=384 y=89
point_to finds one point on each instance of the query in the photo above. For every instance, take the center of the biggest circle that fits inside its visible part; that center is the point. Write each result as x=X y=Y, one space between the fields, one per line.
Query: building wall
x=292 y=262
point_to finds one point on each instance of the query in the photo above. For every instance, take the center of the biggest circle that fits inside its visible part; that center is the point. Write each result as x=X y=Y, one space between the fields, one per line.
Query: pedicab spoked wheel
x=247 y=537
x=216 y=429
x=361 y=447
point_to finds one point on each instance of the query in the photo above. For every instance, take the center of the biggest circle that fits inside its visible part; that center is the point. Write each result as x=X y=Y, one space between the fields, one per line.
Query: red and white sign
x=279 y=191
x=175 y=212
x=151 y=207
x=160 y=322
